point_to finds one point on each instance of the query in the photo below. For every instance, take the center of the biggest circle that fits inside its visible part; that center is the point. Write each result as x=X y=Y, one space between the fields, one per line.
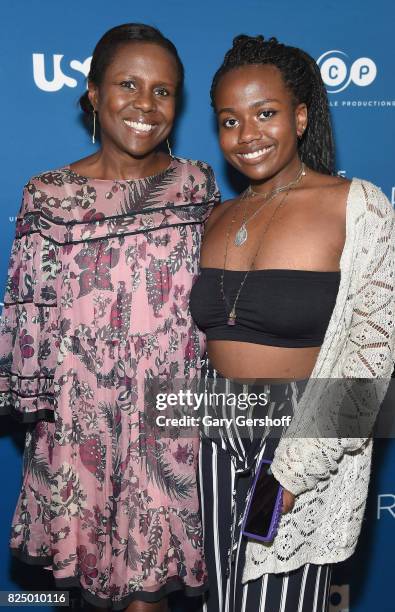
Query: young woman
x=96 y=304
x=297 y=284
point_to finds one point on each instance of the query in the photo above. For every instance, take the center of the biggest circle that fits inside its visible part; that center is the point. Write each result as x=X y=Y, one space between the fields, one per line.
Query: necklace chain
x=287 y=188
x=242 y=234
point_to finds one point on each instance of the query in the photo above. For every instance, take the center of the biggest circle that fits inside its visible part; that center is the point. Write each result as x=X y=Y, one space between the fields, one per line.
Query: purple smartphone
x=263 y=511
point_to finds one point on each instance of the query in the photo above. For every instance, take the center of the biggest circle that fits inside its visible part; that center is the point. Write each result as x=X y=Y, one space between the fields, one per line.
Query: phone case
x=276 y=516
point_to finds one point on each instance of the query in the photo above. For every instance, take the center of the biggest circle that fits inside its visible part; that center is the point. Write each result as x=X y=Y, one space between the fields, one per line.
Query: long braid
x=317 y=148
x=303 y=79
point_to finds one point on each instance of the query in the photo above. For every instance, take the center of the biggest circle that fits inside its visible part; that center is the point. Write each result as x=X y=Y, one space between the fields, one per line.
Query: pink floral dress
x=96 y=303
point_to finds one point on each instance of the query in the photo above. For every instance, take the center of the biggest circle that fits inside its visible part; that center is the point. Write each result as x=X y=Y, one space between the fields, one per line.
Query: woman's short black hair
x=303 y=79
x=108 y=45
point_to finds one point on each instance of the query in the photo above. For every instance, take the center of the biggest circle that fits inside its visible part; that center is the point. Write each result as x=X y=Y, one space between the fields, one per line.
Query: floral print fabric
x=97 y=303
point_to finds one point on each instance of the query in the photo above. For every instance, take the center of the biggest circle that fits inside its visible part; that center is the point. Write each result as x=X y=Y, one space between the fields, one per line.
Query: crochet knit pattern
x=329 y=474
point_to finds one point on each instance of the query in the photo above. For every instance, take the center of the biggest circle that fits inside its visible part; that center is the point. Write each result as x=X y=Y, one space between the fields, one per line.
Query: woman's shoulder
x=328 y=187
x=58 y=177
x=52 y=189
x=364 y=196
x=192 y=165
x=357 y=196
x=200 y=174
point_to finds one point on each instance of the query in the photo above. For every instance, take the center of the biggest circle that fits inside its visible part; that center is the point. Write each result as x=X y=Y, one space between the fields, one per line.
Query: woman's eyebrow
x=264 y=101
x=226 y=110
x=253 y=105
x=122 y=74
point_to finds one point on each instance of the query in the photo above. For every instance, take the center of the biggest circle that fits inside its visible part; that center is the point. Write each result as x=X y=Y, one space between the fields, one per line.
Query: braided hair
x=303 y=79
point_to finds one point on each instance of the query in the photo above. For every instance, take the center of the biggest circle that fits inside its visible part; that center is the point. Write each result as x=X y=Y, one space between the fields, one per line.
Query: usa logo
x=61 y=77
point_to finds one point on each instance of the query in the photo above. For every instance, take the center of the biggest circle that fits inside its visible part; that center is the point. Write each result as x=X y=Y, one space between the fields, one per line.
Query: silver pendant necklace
x=242 y=233
x=241 y=237
x=232 y=316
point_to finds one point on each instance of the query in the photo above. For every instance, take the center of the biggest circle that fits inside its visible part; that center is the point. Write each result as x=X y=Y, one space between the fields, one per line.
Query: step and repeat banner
x=45 y=55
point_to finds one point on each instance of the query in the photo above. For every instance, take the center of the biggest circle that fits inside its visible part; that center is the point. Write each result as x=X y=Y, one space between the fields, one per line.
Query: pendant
x=241 y=236
x=232 y=317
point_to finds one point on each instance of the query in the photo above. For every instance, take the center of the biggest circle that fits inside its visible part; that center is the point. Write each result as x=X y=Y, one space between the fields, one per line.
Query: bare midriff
x=245 y=360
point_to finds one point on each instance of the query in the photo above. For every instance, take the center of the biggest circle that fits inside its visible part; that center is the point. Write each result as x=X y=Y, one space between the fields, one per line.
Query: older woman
x=96 y=304
x=296 y=284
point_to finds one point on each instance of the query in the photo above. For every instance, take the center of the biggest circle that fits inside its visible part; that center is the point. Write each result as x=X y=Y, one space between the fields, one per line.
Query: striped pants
x=226 y=470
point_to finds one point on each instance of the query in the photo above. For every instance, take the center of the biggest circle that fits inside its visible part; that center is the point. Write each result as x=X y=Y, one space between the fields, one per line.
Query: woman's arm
x=28 y=325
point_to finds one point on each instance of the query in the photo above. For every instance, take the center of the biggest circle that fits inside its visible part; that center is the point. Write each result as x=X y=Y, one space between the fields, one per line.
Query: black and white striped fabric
x=226 y=469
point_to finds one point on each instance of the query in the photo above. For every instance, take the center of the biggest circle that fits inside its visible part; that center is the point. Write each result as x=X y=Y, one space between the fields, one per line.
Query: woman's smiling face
x=136 y=99
x=259 y=122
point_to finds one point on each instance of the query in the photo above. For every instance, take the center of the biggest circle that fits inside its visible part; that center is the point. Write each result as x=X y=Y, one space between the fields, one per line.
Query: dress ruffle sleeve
x=28 y=325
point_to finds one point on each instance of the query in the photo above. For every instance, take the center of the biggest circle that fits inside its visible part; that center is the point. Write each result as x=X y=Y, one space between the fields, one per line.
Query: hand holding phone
x=263 y=512
x=288 y=501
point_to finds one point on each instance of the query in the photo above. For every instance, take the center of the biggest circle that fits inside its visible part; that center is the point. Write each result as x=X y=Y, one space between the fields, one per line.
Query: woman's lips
x=255 y=156
x=139 y=127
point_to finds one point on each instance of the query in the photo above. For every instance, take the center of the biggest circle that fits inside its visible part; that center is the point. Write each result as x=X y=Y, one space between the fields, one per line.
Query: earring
x=94 y=127
x=169 y=147
x=302 y=132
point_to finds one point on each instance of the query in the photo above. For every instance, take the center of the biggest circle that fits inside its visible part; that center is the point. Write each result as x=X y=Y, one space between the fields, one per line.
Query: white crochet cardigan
x=328 y=475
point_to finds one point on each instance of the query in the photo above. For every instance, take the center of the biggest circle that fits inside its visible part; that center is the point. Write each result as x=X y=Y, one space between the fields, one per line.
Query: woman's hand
x=288 y=501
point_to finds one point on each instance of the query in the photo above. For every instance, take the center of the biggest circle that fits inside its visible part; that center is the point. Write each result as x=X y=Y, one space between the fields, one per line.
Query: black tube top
x=289 y=308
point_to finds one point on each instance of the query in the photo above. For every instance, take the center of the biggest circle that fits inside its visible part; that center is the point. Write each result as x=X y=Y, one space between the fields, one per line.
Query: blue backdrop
x=45 y=48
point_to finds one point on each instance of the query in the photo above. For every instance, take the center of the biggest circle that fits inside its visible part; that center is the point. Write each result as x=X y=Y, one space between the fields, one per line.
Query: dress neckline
x=158 y=175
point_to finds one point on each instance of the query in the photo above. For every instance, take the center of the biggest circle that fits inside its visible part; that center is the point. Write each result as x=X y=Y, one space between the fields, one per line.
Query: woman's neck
x=284 y=176
x=107 y=165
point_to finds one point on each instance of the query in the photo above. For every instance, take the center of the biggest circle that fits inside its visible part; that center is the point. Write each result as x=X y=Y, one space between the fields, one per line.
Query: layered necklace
x=241 y=236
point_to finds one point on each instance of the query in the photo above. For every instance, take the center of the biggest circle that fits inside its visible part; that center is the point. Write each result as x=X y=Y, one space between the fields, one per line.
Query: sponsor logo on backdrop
x=51 y=73
x=340 y=72
x=339 y=600
x=386 y=506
